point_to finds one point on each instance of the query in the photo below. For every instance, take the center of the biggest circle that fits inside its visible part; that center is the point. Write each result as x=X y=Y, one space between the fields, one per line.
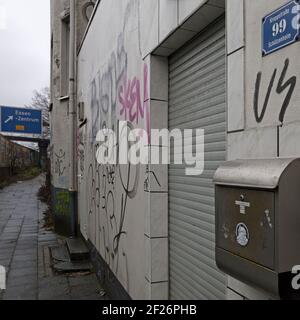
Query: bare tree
x=12 y=158
x=41 y=101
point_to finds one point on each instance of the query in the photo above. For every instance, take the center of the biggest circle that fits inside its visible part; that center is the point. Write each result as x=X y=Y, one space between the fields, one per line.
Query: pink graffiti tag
x=132 y=107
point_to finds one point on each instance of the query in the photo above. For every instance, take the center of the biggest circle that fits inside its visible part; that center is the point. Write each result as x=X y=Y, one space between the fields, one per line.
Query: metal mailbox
x=258 y=222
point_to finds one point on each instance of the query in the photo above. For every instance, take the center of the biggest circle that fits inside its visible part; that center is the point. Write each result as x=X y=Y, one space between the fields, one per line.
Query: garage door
x=197 y=95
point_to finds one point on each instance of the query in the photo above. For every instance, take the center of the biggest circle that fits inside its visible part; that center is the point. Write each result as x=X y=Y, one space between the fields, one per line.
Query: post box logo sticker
x=242 y=235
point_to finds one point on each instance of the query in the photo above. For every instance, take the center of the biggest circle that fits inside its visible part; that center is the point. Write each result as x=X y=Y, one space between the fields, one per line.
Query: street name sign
x=281 y=27
x=21 y=120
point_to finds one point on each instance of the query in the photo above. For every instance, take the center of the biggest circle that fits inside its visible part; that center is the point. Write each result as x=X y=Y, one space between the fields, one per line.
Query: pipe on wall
x=72 y=119
x=72 y=96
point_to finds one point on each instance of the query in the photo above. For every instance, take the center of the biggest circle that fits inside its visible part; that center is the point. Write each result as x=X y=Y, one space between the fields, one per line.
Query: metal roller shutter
x=197 y=100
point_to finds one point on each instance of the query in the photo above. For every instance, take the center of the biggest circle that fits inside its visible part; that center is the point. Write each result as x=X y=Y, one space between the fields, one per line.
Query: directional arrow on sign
x=10 y=118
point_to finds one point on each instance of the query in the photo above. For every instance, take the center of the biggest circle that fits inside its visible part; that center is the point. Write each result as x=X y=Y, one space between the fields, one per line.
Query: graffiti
x=148 y=175
x=130 y=98
x=107 y=209
x=93 y=197
x=87 y=10
x=114 y=94
x=80 y=150
x=59 y=162
x=282 y=86
x=111 y=174
x=62 y=203
x=104 y=89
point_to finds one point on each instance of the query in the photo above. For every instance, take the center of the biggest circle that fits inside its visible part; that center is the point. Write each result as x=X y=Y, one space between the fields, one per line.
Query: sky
x=24 y=49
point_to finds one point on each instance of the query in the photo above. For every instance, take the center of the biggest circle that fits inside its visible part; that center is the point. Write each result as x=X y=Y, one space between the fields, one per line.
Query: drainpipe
x=72 y=114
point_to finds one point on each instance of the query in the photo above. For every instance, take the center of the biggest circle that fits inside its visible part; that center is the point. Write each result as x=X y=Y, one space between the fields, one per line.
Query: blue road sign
x=20 y=120
x=281 y=27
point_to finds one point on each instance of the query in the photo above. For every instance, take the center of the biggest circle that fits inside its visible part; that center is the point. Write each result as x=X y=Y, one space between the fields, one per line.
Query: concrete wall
x=123 y=210
x=252 y=131
x=60 y=114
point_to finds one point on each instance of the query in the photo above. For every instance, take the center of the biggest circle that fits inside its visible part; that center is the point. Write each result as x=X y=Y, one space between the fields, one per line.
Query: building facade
x=163 y=64
x=13 y=157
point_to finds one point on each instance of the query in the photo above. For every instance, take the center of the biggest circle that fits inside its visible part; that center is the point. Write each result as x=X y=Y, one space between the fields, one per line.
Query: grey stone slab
x=50 y=292
x=59 y=298
x=24 y=272
x=22 y=264
x=7 y=245
x=60 y=254
x=53 y=281
x=5 y=263
x=31 y=251
x=19 y=259
x=14 y=229
x=91 y=297
x=19 y=281
x=4 y=251
x=72 y=266
x=26 y=292
x=77 y=249
x=30 y=236
x=83 y=280
x=27 y=245
x=9 y=236
x=5 y=256
x=23 y=243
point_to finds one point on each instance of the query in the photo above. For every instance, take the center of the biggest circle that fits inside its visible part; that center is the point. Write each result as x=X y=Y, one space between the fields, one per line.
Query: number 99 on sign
x=279 y=27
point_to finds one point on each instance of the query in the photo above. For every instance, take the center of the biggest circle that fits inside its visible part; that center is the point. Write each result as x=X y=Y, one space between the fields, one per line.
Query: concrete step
x=70 y=267
x=77 y=249
x=60 y=254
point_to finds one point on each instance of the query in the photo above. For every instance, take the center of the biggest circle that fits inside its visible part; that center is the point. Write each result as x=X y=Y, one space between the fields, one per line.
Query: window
x=64 y=60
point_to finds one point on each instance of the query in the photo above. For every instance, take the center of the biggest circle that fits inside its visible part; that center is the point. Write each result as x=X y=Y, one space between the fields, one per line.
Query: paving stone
x=60 y=253
x=31 y=251
x=6 y=256
x=24 y=272
x=92 y=297
x=5 y=263
x=77 y=249
x=83 y=280
x=19 y=281
x=22 y=264
x=59 y=298
x=12 y=229
x=7 y=246
x=28 y=257
x=52 y=281
x=9 y=236
x=24 y=292
x=6 y=251
x=50 y=292
x=88 y=287
x=73 y=266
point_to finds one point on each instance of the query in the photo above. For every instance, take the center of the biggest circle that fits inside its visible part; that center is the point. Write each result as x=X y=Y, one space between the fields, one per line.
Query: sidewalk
x=24 y=251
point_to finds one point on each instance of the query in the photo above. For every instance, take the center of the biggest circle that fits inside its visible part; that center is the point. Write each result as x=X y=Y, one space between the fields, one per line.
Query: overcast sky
x=24 y=49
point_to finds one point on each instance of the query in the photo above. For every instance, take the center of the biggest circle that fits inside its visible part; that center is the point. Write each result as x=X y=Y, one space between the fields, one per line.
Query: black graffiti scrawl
x=282 y=86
